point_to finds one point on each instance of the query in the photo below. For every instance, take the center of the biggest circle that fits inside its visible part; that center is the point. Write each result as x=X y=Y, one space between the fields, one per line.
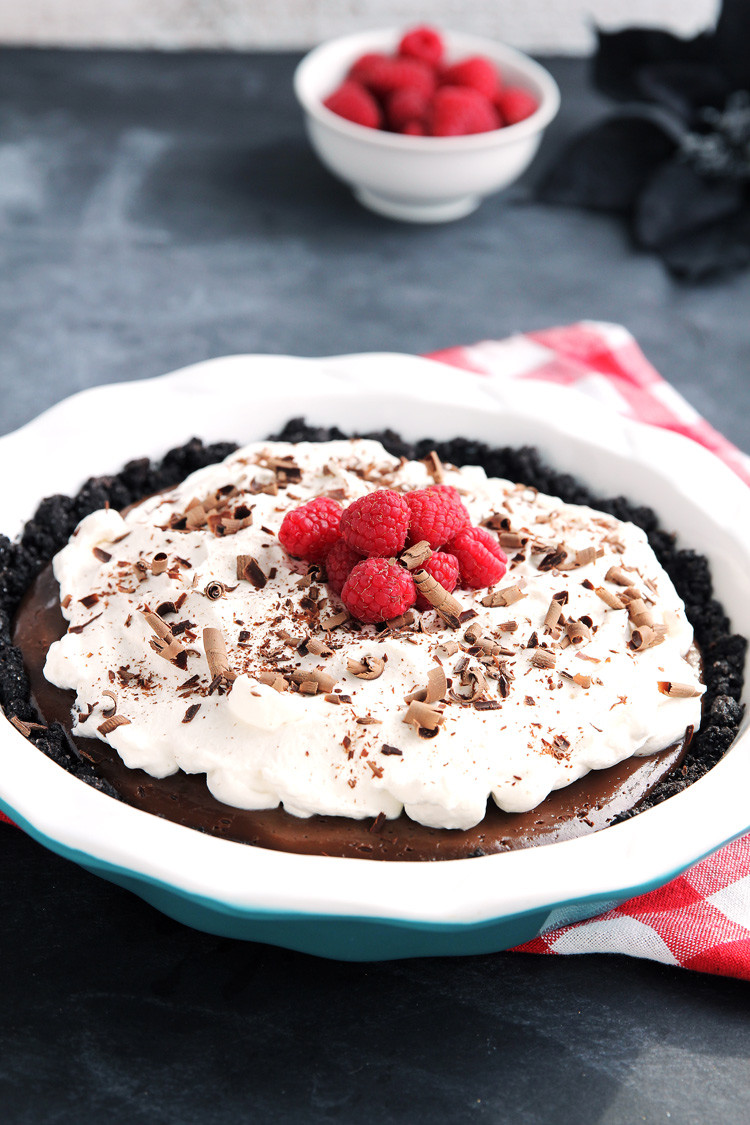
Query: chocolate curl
x=581 y=558
x=196 y=517
x=507 y=595
x=334 y=620
x=113 y=723
x=543 y=658
x=368 y=668
x=274 y=680
x=678 y=691
x=578 y=631
x=554 y=613
x=159 y=563
x=113 y=709
x=420 y=714
x=646 y=637
x=579 y=678
x=216 y=654
x=639 y=613
x=415 y=557
x=434 y=467
x=512 y=540
x=619 y=576
x=437 y=686
x=449 y=608
x=315 y=646
x=473 y=633
x=322 y=680
x=612 y=600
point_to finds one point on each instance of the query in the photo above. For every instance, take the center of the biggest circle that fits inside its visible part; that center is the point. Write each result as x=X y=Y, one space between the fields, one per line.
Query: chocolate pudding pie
x=179 y=657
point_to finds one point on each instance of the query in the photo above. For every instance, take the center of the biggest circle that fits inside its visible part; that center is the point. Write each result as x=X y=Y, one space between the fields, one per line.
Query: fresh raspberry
x=355 y=103
x=340 y=560
x=414 y=129
x=444 y=569
x=475 y=72
x=460 y=110
x=365 y=65
x=437 y=514
x=376 y=524
x=309 y=532
x=382 y=75
x=423 y=43
x=377 y=590
x=516 y=104
x=404 y=106
x=481 y=560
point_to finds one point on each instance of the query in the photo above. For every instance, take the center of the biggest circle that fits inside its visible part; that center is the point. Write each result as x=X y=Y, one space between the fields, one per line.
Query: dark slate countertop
x=156 y=210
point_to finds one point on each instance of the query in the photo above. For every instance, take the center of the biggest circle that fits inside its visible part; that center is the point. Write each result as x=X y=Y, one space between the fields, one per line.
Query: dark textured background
x=156 y=210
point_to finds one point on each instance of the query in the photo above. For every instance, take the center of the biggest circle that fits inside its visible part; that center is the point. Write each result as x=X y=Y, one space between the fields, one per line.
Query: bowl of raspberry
x=424 y=124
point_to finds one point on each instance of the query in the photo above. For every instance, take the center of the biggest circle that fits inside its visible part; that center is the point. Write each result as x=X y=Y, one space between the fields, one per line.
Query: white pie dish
x=354 y=908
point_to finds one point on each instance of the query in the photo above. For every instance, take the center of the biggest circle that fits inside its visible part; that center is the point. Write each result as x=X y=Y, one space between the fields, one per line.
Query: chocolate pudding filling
x=595 y=801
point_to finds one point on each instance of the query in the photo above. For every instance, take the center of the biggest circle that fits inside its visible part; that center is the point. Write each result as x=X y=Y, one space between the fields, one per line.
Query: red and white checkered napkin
x=700 y=920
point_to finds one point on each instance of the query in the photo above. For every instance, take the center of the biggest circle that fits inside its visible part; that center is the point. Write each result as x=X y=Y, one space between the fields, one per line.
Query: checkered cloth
x=700 y=920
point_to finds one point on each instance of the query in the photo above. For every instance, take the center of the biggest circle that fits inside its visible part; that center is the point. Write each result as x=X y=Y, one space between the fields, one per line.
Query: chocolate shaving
x=366 y=668
x=334 y=620
x=423 y=715
x=315 y=646
x=543 y=658
x=80 y=628
x=678 y=691
x=447 y=606
x=249 y=569
x=102 y=556
x=416 y=556
x=437 y=686
x=322 y=680
x=610 y=598
x=434 y=467
x=473 y=633
x=581 y=558
x=646 y=637
x=214 y=590
x=512 y=540
x=554 y=559
x=578 y=631
x=639 y=613
x=159 y=563
x=554 y=613
x=113 y=709
x=379 y=820
x=619 y=576
x=507 y=595
x=26 y=728
x=274 y=680
x=578 y=678
x=487 y=705
x=113 y=723
x=89 y=601
x=191 y=712
x=216 y=655
x=391 y=750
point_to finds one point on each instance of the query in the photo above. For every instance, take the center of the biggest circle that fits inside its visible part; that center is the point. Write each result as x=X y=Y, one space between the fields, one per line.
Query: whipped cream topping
x=514 y=731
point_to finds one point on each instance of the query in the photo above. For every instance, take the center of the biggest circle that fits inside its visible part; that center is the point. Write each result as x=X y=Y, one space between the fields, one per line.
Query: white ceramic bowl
x=357 y=908
x=421 y=179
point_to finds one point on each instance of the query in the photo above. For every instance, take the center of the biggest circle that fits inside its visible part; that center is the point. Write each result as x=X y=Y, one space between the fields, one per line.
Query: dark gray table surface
x=156 y=210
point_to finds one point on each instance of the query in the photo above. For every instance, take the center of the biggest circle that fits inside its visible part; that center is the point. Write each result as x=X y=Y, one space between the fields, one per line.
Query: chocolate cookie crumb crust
x=56 y=518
